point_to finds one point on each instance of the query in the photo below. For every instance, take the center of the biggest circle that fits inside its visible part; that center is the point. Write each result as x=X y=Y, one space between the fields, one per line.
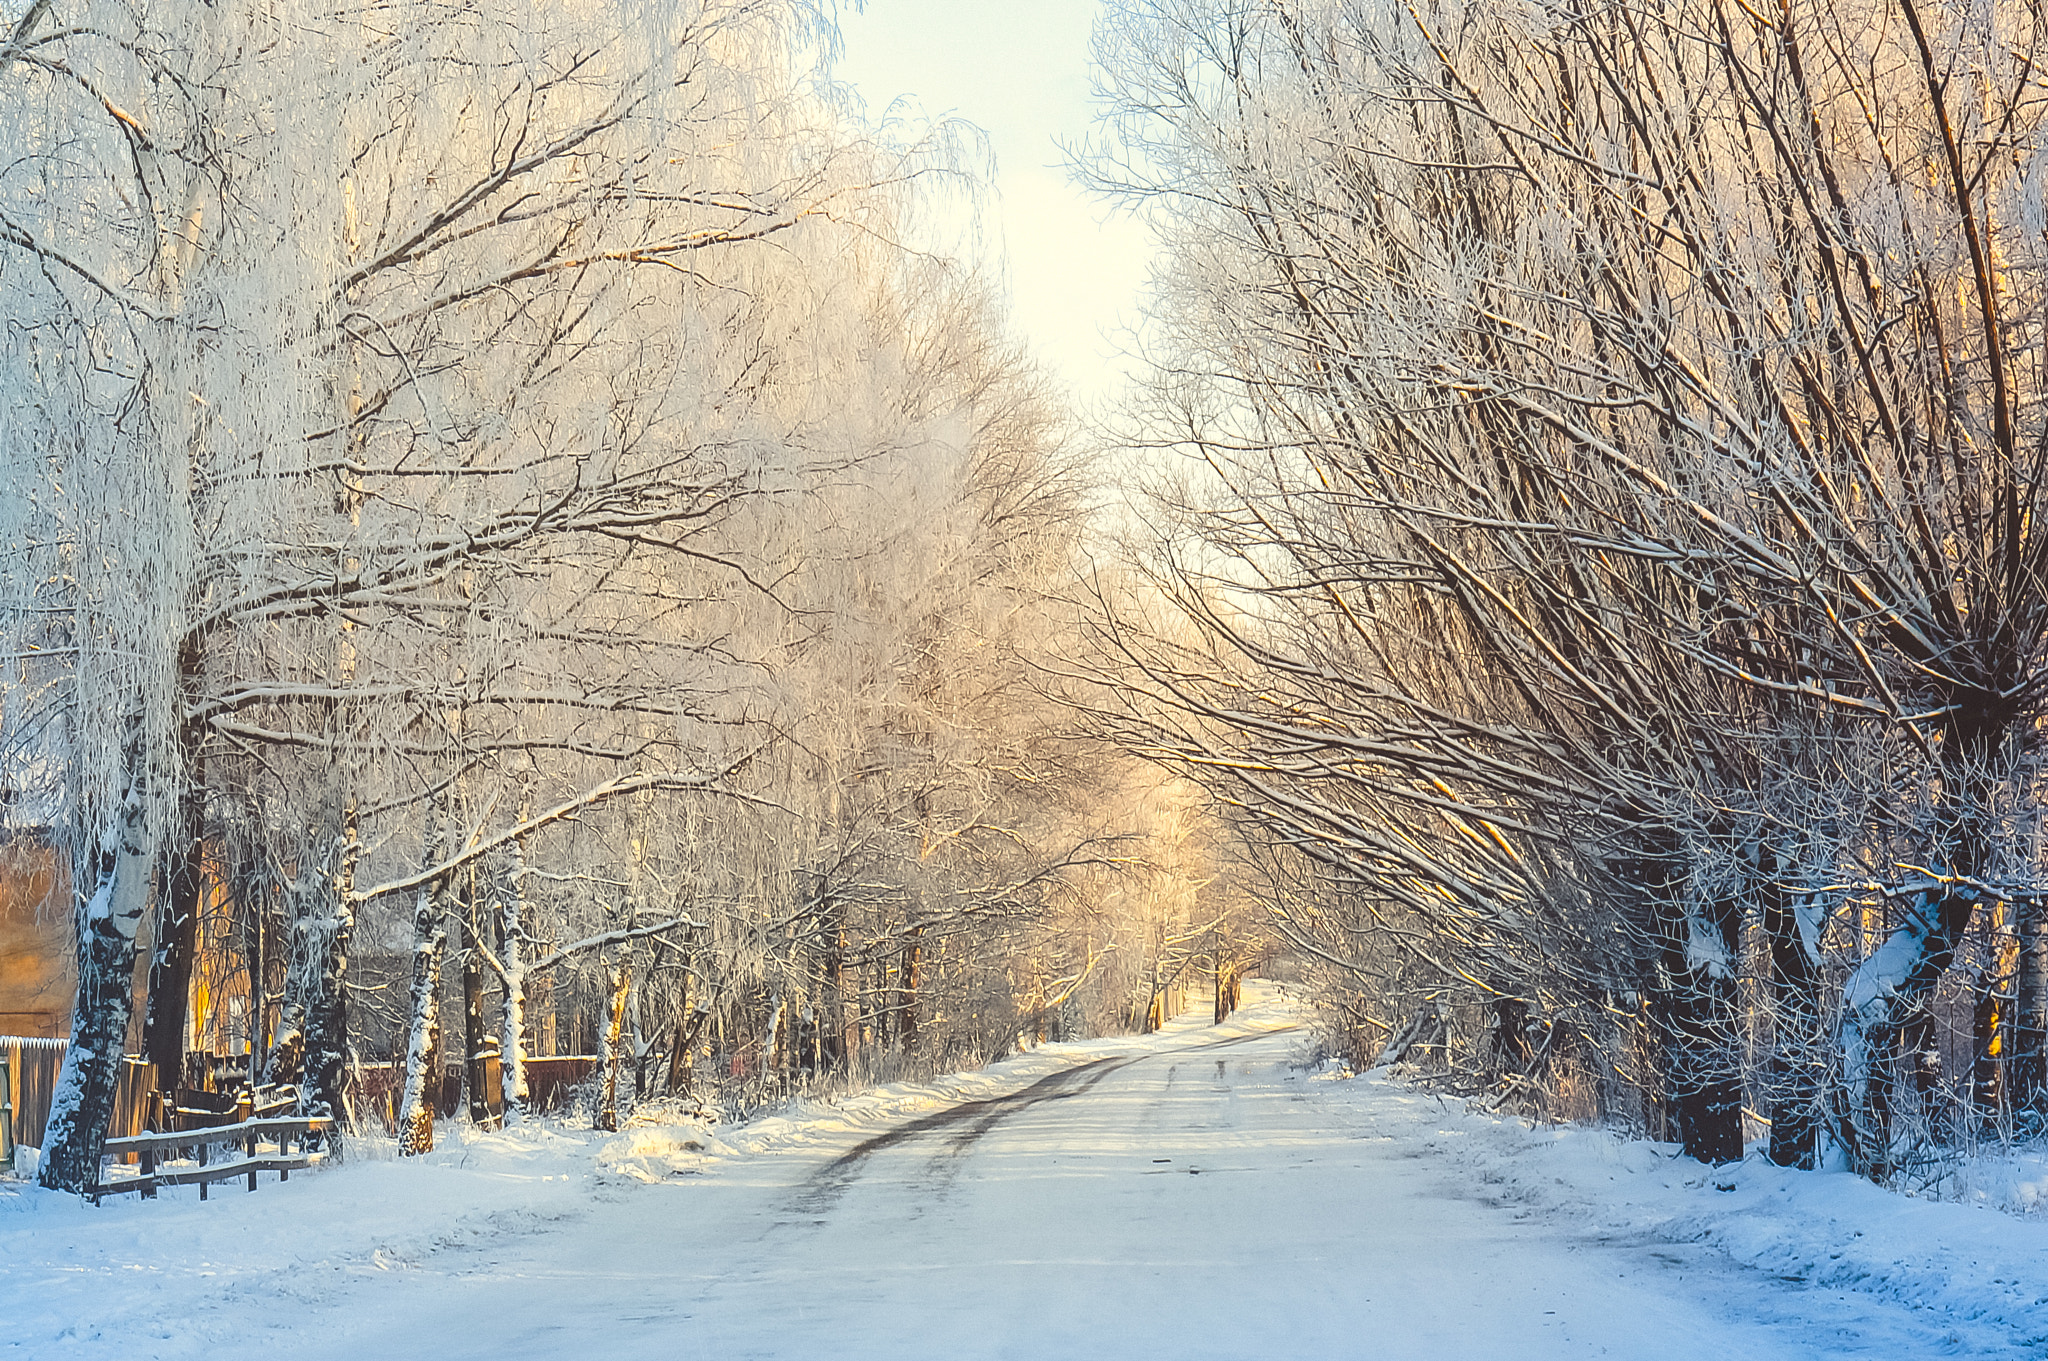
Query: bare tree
x=1668 y=369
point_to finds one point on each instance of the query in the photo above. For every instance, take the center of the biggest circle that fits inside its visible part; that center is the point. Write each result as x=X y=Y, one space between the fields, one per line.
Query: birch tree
x=366 y=300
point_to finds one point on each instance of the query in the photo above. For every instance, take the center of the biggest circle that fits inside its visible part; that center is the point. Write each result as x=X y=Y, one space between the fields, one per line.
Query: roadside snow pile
x=2015 y=1181
x=1984 y=1270
x=657 y=1152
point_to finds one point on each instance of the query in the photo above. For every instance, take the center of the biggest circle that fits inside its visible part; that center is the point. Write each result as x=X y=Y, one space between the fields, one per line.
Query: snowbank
x=1986 y=1271
x=175 y=1278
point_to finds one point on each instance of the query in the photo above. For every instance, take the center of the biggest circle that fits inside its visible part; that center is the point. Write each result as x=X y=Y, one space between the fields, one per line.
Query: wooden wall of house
x=37 y=964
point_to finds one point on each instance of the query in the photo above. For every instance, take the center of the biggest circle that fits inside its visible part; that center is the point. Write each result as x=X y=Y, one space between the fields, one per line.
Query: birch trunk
x=423 y=1043
x=1696 y=1007
x=1873 y=1001
x=838 y=1027
x=512 y=1010
x=181 y=897
x=83 y=1102
x=326 y=934
x=913 y=979
x=684 y=1037
x=170 y=973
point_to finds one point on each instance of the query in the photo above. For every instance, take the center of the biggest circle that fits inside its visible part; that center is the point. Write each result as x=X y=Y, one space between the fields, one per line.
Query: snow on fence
x=190 y=1161
x=29 y=1068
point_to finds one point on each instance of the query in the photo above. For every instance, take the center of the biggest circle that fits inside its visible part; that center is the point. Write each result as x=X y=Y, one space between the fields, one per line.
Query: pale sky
x=1018 y=70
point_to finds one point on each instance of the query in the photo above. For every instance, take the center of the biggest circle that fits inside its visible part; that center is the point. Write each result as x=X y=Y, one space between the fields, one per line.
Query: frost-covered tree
x=1619 y=428
x=332 y=330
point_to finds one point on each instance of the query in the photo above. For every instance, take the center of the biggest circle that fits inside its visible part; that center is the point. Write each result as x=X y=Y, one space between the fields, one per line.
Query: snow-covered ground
x=1189 y=1194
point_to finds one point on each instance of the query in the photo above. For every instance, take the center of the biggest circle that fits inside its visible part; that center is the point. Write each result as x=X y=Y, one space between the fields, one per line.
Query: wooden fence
x=28 y=1079
x=374 y=1088
x=31 y=1076
x=184 y=1157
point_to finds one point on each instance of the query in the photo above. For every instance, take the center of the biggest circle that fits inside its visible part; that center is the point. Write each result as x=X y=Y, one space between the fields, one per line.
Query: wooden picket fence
x=28 y=1074
x=28 y=1078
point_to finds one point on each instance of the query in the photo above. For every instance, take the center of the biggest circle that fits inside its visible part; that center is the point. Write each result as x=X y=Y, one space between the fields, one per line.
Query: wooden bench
x=288 y=1135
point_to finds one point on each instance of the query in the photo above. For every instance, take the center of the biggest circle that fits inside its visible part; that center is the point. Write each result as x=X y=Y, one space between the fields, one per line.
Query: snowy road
x=1179 y=1196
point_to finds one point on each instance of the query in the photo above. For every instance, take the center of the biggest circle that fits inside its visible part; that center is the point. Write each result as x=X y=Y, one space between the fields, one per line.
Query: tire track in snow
x=945 y=1166
x=971 y=1120
x=822 y=1190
